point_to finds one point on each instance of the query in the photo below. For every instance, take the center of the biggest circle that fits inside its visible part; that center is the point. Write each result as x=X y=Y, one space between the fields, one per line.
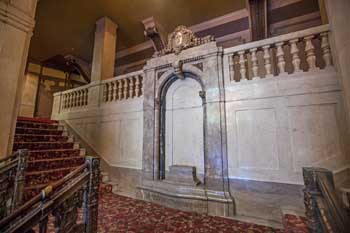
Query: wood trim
x=274 y=4
x=233 y=16
x=293 y=21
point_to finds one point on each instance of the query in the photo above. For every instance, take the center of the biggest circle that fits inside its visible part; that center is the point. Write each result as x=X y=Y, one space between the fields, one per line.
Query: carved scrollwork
x=183 y=38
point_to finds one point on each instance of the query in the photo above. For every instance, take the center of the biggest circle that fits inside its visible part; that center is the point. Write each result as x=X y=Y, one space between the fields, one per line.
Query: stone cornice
x=11 y=15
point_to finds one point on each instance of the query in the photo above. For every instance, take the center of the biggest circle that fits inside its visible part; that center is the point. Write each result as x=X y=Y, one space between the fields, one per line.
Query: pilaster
x=104 y=49
x=16 y=27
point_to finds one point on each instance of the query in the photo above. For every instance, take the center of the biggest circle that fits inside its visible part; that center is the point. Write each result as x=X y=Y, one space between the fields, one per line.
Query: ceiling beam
x=258 y=19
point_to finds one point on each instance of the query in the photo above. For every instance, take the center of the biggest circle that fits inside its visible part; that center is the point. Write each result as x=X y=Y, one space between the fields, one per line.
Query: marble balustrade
x=302 y=51
x=115 y=89
x=122 y=87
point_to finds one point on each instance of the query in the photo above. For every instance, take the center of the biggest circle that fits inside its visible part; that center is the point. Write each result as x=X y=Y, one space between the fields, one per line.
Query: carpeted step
x=37 y=119
x=294 y=224
x=28 y=124
x=43 y=177
x=20 y=130
x=41 y=138
x=49 y=154
x=54 y=163
x=44 y=145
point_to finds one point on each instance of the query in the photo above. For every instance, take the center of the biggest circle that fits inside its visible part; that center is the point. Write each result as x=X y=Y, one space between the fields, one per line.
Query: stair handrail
x=12 y=180
x=324 y=210
x=61 y=198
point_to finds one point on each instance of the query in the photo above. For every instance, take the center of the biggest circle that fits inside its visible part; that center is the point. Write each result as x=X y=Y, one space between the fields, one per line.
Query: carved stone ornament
x=183 y=38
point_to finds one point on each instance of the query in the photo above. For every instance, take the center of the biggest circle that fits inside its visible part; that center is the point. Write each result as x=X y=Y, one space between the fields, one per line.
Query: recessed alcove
x=184 y=129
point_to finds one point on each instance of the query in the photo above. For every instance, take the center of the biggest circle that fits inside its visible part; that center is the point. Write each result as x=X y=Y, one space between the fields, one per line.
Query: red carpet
x=295 y=224
x=122 y=214
x=52 y=154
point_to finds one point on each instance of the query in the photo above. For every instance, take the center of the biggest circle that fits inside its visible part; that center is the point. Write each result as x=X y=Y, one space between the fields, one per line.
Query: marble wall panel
x=257 y=139
x=117 y=137
x=271 y=139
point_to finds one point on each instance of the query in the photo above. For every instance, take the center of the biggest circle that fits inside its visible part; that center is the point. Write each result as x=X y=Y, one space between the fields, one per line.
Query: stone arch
x=167 y=79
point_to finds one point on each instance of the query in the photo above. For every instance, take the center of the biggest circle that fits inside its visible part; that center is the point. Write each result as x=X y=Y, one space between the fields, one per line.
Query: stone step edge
x=55 y=159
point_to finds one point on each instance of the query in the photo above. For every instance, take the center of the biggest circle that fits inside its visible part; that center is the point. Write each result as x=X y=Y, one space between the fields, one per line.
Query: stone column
x=16 y=27
x=340 y=44
x=104 y=50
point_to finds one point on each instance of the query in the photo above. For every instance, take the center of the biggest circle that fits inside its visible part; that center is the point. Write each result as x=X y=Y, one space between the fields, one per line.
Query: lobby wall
x=52 y=81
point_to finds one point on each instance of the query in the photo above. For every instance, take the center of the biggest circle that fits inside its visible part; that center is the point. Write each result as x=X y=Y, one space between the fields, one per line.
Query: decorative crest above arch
x=182 y=38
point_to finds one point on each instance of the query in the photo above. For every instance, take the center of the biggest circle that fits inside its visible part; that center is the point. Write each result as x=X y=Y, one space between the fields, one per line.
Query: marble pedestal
x=186 y=197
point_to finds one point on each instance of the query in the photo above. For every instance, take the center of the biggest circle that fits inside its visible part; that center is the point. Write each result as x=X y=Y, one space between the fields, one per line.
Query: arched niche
x=184 y=125
x=181 y=122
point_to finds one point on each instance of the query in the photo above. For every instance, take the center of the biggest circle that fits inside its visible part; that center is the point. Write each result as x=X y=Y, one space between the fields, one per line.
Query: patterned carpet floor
x=122 y=214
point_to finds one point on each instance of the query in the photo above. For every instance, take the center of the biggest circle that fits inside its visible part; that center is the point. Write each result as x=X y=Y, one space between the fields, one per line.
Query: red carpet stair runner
x=52 y=153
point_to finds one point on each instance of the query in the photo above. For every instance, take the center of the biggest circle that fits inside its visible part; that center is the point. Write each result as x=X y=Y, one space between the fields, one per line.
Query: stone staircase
x=52 y=152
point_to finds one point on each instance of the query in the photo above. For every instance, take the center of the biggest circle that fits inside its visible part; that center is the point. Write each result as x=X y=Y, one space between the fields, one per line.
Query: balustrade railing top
x=306 y=50
x=119 y=88
x=122 y=87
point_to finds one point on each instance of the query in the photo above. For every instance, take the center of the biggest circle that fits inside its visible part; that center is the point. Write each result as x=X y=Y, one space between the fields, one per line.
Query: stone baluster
x=137 y=86
x=115 y=90
x=295 y=55
x=82 y=97
x=254 y=60
x=74 y=99
x=125 y=88
x=120 y=89
x=231 y=67
x=86 y=96
x=110 y=91
x=70 y=97
x=67 y=100
x=267 y=61
x=280 y=58
x=63 y=101
x=131 y=87
x=82 y=103
x=140 y=87
x=104 y=94
x=242 y=63
x=79 y=98
x=326 y=50
x=310 y=53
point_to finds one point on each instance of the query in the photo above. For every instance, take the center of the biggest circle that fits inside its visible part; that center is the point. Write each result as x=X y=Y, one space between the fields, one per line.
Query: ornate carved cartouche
x=182 y=38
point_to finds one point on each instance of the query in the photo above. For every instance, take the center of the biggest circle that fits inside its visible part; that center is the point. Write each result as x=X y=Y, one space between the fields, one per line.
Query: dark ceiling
x=67 y=26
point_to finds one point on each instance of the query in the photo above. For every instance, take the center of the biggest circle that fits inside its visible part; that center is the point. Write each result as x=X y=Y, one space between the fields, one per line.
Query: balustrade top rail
x=276 y=39
x=128 y=75
x=119 y=88
x=306 y=50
